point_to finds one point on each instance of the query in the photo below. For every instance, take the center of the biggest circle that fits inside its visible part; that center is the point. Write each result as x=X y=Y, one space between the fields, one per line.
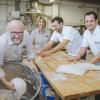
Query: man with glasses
x=13 y=44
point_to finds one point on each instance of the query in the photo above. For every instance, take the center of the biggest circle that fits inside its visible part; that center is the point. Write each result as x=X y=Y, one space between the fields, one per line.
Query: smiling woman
x=40 y=35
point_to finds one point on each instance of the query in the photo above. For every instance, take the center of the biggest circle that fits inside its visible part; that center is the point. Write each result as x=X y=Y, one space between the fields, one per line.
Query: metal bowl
x=30 y=76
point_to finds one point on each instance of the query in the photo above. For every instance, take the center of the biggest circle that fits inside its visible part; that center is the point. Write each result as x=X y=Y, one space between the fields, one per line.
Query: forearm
x=9 y=85
x=57 y=48
x=81 y=53
x=3 y=80
x=46 y=47
x=2 y=76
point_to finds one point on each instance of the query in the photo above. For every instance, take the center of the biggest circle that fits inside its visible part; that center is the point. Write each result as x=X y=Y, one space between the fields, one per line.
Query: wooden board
x=68 y=86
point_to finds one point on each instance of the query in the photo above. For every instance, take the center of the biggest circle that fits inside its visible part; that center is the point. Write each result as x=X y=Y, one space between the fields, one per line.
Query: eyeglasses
x=17 y=33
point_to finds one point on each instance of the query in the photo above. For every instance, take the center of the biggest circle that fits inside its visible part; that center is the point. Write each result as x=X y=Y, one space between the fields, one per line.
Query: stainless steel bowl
x=31 y=77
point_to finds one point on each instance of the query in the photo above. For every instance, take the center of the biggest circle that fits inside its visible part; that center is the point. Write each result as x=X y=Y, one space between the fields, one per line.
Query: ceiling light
x=51 y=0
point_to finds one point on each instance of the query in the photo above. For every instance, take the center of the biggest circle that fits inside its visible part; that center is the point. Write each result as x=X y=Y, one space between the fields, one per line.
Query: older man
x=13 y=44
x=91 y=38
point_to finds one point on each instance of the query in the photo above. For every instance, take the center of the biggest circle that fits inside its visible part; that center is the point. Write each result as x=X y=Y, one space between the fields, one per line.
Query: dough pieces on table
x=77 y=69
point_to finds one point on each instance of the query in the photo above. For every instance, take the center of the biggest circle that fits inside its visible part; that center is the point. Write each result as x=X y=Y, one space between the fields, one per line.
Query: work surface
x=68 y=86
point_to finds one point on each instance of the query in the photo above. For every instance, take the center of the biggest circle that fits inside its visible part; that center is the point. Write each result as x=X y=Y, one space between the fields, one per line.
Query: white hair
x=14 y=23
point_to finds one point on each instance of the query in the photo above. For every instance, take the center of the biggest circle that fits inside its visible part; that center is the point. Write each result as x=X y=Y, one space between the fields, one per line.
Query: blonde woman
x=40 y=36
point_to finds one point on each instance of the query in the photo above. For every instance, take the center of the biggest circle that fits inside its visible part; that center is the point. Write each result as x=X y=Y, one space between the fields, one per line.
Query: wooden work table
x=65 y=85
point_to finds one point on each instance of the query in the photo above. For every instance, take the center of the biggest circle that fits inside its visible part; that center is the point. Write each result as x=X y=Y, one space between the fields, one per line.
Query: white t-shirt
x=92 y=40
x=71 y=34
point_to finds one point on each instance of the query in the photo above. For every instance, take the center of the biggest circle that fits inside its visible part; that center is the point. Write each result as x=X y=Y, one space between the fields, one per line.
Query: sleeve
x=69 y=33
x=1 y=55
x=2 y=73
x=29 y=47
x=85 y=43
x=54 y=37
x=97 y=38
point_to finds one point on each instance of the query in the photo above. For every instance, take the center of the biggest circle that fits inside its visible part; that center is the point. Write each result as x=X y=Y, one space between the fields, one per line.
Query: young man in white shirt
x=69 y=39
x=13 y=44
x=91 y=38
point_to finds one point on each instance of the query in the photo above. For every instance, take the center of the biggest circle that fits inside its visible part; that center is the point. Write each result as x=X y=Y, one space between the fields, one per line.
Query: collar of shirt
x=95 y=30
x=41 y=32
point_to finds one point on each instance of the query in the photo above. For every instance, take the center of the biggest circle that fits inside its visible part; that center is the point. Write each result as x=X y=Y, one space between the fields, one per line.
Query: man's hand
x=9 y=85
x=79 y=55
x=96 y=58
x=76 y=58
x=46 y=53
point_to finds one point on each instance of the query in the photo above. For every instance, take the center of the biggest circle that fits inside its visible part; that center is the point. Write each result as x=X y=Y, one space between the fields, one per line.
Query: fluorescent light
x=51 y=0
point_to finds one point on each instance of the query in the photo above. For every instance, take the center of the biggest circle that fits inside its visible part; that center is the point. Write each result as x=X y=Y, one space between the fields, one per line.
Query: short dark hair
x=91 y=13
x=59 y=19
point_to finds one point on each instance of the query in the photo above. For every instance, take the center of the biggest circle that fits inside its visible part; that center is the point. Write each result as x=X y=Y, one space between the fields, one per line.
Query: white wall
x=73 y=13
x=48 y=10
x=5 y=9
x=23 y=7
